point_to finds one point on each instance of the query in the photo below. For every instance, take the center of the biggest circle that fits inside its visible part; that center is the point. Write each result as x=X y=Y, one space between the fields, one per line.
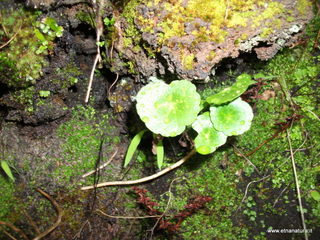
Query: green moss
x=272 y=9
x=7 y=199
x=211 y=56
x=67 y=76
x=19 y=55
x=198 y=21
x=22 y=59
x=82 y=135
x=217 y=14
x=86 y=18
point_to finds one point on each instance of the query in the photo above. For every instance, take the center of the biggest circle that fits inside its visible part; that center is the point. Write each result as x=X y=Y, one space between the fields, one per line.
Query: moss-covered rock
x=189 y=38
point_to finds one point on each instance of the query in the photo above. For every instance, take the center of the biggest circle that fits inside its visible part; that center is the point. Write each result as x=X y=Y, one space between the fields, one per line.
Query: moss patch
x=83 y=136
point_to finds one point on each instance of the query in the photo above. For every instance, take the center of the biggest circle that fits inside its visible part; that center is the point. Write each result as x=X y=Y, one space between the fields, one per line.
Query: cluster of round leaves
x=168 y=109
x=216 y=125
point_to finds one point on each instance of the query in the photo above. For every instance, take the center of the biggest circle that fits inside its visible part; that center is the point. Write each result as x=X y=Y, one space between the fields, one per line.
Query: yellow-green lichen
x=303 y=5
x=131 y=34
x=183 y=25
x=188 y=61
x=213 y=16
x=272 y=9
x=266 y=32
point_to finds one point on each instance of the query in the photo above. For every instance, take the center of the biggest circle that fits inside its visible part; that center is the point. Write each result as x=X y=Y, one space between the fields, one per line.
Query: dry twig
x=166 y=209
x=101 y=167
x=246 y=191
x=15 y=229
x=59 y=215
x=5 y=44
x=297 y=186
x=127 y=217
x=99 y=31
x=145 y=179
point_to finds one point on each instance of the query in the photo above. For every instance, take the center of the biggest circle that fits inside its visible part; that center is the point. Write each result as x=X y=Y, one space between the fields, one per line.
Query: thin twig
x=101 y=167
x=276 y=134
x=145 y=179
x=15 y=229
x=277 y=199
x=32 y=223
x=246 y=191
x=77 y=235
x=244 y=156
x=166 y=209
x=9 y=235
x=59 y=215
x=3 y=27
x=99 y=31
x=284 y=162
x=297 y=186
x=115 y=81
x=127 y=217
x=2 y=46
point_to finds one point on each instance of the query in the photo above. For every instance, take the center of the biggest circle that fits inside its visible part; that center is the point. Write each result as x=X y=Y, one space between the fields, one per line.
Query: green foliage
x=208 y=138
x=5 y=167
x=228 y=94
x=7 y=200
x=168 y=109
x=160 y=153
x=47 y=30
x=133 y=147
x=19 y=64
x=22 y=59
x=232 y=119
x=44 y=93
x=109 y=22
x=315 y=195
x=82 y=136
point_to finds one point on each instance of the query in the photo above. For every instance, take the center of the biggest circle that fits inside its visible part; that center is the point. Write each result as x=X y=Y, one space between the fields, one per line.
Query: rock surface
x=188 y=39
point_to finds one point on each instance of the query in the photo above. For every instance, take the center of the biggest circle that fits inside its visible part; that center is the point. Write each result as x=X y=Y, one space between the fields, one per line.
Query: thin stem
x=59 y=215
x=297 y=186
x=145 y=179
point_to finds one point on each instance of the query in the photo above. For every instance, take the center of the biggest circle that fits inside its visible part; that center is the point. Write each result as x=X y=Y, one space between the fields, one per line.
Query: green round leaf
x=168 y=109
x=232 y=119
x=228 y=94
x=202 y=121
x=315 y=195
x=208 y=140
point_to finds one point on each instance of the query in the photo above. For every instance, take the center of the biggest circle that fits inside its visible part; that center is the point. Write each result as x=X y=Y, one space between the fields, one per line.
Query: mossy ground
x=224 y=175
x=255 y=193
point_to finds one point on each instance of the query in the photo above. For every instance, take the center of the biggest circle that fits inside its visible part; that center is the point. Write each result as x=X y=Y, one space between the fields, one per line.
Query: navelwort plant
x=168 y=109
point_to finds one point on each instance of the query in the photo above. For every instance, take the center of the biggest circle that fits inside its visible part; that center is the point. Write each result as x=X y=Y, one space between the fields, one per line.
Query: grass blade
x=133 y=147
x=160 y=154
x=6 y=169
